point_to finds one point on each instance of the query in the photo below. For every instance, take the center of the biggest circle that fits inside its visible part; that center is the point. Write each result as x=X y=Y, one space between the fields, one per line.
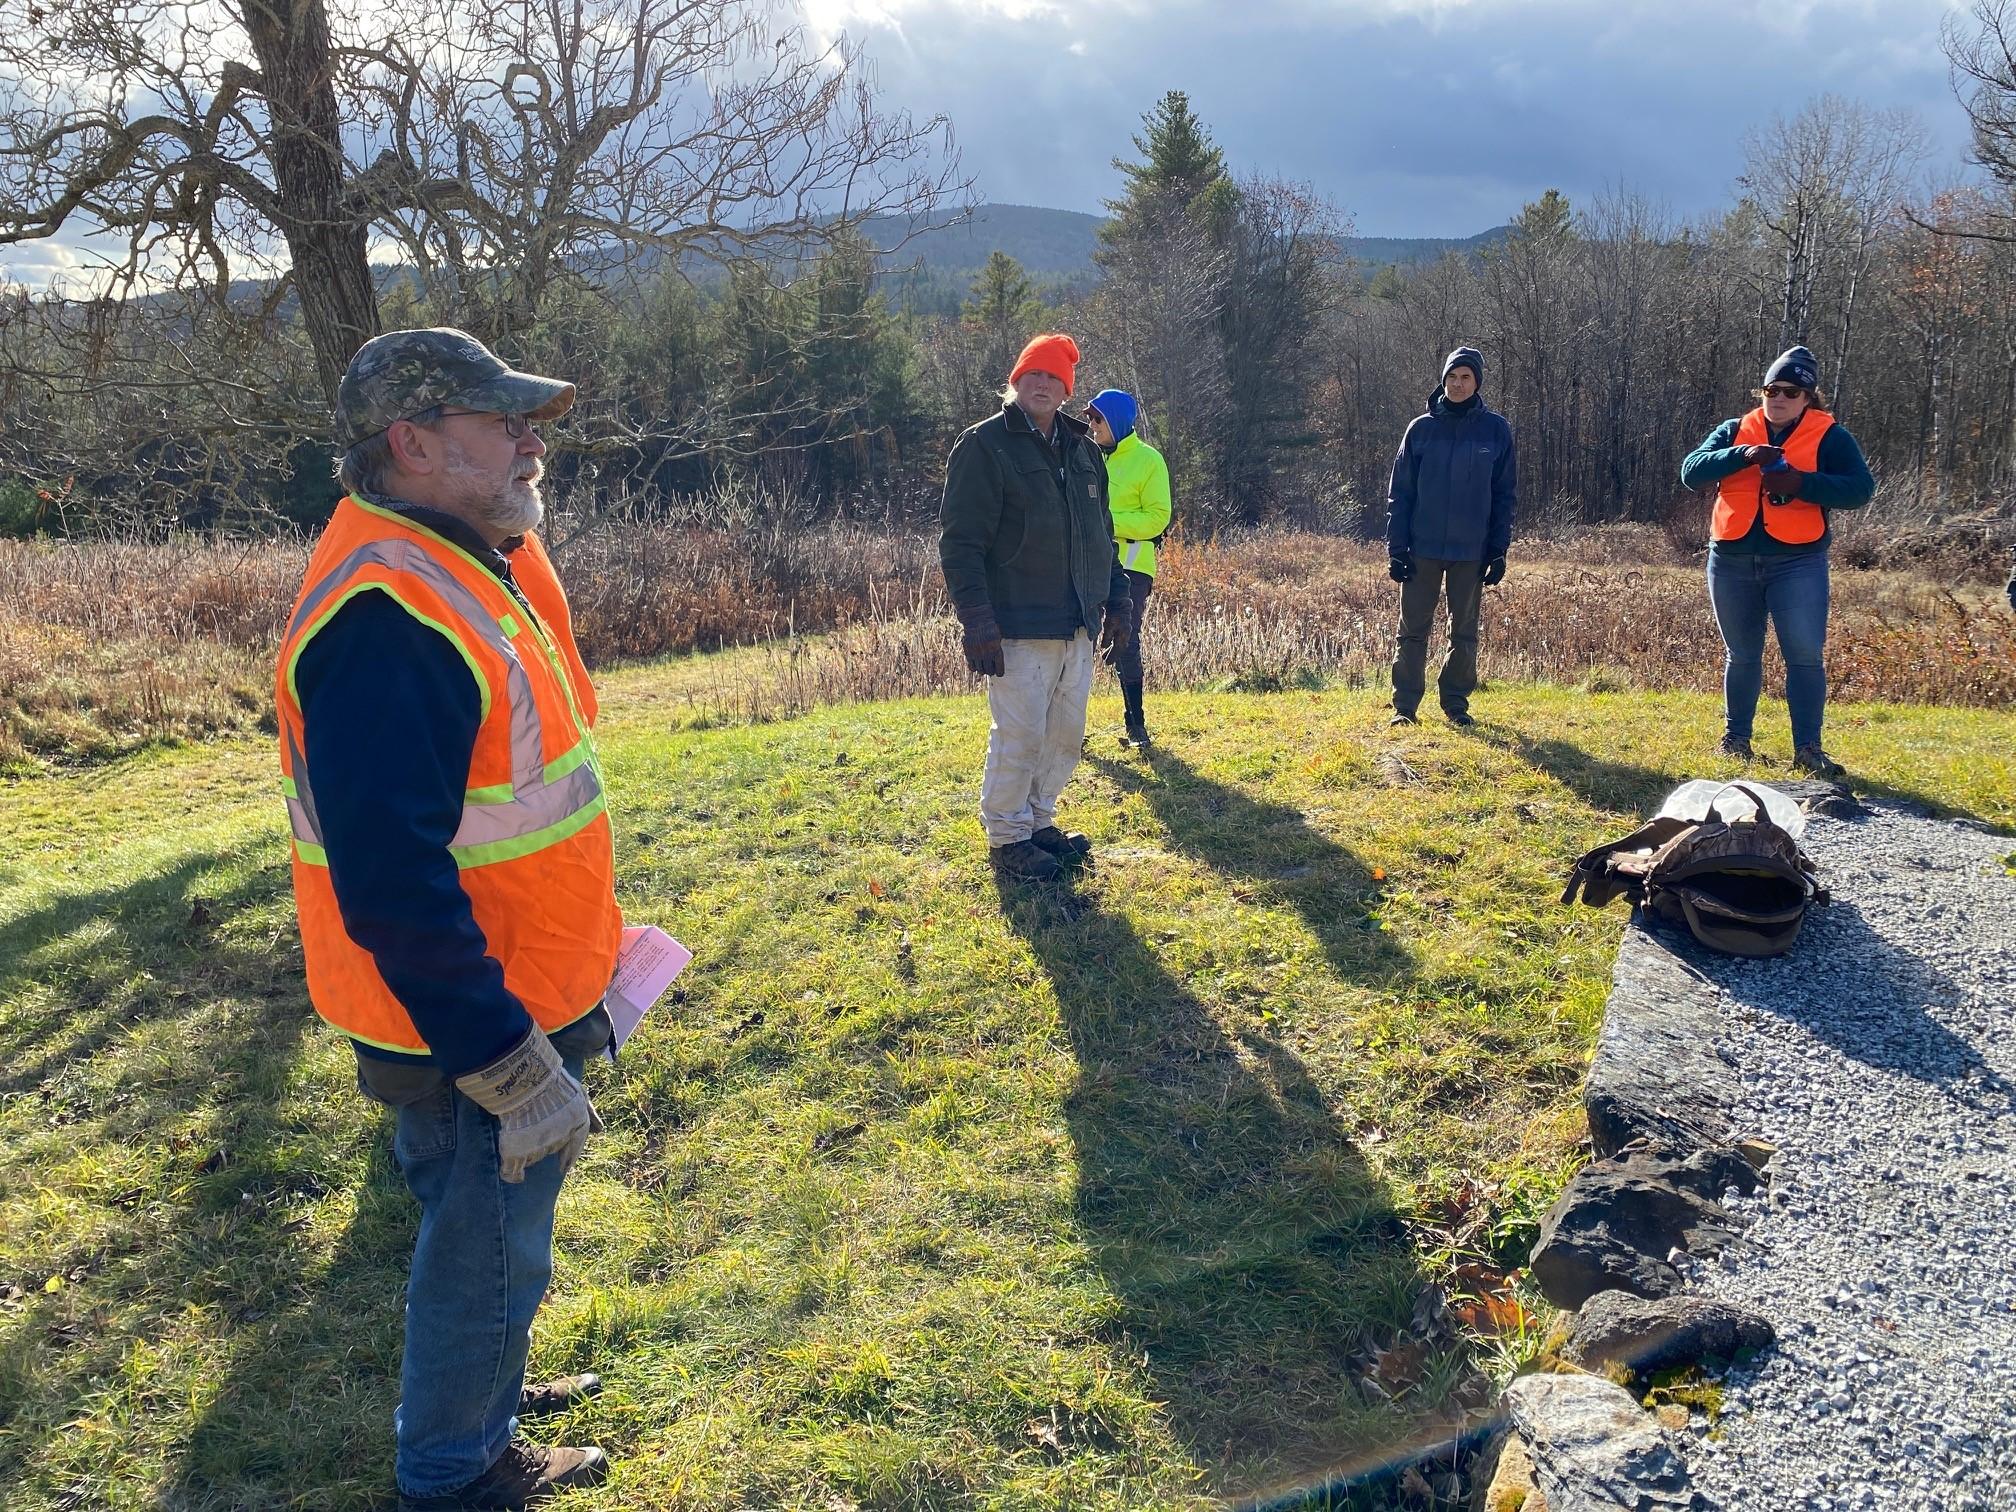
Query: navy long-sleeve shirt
x=1840 y=480
x=392 y=711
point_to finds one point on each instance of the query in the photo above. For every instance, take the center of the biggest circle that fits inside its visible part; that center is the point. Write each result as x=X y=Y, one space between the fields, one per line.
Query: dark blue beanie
x=1795 y=365
x=1468 y=357
x=1119 y=409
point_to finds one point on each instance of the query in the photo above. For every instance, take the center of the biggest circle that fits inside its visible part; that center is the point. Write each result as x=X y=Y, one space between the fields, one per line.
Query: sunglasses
x=517 y=427
x=1780 y=391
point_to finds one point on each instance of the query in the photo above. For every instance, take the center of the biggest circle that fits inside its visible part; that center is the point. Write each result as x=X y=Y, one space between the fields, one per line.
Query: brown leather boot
x=524 y=1476
x=557 y=1395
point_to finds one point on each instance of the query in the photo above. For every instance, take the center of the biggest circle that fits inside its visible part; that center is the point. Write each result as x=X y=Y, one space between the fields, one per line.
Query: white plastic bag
x=1692 y=800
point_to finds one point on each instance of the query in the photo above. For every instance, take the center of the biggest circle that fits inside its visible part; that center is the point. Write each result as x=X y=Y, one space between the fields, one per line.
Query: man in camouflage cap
x=454 y=877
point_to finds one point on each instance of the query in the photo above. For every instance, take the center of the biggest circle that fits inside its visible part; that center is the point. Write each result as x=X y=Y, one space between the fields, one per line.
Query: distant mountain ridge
x=1057 y=245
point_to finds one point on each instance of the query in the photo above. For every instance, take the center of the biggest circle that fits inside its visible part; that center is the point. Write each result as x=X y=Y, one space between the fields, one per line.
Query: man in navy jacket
x=1448 y=520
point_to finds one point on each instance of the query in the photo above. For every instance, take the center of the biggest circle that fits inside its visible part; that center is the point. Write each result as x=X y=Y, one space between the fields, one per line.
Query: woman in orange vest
x=1778 y=469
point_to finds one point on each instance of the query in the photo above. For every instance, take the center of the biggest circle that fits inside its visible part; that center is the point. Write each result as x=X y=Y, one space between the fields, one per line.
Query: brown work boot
x=558 y=1394
x=1815 y=762
x=524 y=1476
x=1025 y=861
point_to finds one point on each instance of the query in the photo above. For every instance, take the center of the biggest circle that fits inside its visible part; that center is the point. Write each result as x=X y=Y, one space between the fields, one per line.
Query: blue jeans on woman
x=480 y=1268
x=1790 y=590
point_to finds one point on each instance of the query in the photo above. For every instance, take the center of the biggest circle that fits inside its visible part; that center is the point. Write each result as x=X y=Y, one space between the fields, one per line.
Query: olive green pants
x=1418 y=599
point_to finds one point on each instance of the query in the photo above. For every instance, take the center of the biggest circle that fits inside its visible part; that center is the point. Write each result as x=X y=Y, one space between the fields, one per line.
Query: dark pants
x=1418 y=598
x=1127 y=665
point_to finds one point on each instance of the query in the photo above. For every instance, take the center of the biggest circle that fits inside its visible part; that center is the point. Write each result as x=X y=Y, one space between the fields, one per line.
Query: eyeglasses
x=1780 y=391
x=517 y=427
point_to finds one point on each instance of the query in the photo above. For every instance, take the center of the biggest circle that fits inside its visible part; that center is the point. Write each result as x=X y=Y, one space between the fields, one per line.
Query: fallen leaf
x=1378 y=874
x=876 y=889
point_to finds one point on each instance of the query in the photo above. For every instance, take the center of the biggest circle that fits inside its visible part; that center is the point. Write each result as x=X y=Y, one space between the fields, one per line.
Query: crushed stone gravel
x=1880 y=1057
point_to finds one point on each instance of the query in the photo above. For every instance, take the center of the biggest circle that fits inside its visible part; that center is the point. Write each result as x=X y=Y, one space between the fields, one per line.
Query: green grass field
x=917 y=1196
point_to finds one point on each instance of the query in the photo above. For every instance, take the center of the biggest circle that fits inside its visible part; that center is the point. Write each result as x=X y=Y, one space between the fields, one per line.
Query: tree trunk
x=326 y=242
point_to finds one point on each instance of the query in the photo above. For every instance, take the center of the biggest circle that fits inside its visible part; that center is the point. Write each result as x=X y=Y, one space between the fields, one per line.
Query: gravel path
x=1880 y=1057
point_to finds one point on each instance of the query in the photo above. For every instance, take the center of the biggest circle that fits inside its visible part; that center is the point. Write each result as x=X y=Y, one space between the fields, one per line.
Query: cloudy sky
x=1416 y=117
x=1419 y=117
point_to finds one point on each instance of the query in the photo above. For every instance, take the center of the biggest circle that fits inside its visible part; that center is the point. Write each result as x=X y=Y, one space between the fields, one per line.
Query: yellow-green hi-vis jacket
x=1137 y=492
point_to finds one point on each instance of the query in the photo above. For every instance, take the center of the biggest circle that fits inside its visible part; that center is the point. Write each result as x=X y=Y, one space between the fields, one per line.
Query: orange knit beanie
x=1052 y=352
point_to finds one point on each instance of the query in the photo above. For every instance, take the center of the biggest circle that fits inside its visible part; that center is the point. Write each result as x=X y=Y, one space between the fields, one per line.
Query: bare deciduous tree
x=501 y=151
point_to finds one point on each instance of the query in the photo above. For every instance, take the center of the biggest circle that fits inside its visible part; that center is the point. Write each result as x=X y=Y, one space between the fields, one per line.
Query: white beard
x=510 y=508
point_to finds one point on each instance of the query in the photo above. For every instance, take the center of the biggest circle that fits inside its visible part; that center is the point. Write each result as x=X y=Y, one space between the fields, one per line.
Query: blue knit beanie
x=1118 y=409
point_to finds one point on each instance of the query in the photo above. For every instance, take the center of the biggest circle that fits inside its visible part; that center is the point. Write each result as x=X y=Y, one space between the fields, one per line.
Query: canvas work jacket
x=1024 y=530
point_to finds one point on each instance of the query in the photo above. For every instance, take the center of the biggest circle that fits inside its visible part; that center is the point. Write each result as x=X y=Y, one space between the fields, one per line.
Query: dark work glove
x=1400 y=566
x=981 y=641
x=1764 y=456
x=1494 y=572
x=1784 y=482
x=1116 y=632
x=2012 y=590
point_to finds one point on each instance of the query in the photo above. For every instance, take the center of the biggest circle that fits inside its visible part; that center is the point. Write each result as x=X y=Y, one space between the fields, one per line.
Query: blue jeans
x=480 y=1268
x=1746 y=588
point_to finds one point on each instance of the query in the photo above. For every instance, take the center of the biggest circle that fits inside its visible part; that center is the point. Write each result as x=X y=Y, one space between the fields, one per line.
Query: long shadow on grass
x=1252 y=1252
x=1274 y=845
x=204 y=1233
x=1617 y=786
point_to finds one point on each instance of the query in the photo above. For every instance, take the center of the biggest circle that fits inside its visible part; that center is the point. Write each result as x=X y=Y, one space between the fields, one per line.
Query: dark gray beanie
x=1795 y=365
x=1468 y=357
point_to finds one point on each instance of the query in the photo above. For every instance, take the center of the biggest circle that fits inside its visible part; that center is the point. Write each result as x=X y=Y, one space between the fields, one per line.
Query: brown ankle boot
x=524 y=1476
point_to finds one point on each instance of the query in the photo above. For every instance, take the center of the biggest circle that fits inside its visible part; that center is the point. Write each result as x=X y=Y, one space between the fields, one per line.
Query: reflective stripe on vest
x=545 y=801
x=1741 y=494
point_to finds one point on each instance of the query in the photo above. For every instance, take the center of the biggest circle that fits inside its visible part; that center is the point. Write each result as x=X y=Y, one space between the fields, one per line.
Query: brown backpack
x=1742 y=888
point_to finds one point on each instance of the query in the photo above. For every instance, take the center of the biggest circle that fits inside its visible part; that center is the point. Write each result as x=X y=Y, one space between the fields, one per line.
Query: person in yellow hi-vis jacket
x=1138 y=496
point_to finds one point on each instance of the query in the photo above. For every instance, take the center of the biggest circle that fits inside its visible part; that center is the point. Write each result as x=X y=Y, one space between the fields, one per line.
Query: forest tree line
x=765 y=369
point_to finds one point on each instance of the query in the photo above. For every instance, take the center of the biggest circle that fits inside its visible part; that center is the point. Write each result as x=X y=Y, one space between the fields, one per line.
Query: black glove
x=2012 y=590
x=1400 y=566
x=981 y=641
x=1763 y=456
x=1784 y=482
x=1494 y=572
x=1118 y=630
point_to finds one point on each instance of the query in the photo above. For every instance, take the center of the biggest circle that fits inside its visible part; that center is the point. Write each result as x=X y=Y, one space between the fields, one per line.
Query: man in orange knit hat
x=1027 y=547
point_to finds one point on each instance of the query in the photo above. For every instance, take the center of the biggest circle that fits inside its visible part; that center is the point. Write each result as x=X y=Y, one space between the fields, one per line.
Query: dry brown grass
x=106 y=646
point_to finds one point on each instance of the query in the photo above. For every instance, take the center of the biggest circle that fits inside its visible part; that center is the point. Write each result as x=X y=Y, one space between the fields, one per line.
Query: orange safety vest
x=1741 y=495
x=533 y=846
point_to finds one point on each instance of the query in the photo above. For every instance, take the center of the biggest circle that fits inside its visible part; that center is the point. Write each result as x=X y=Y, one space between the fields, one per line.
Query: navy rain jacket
x=1454 y=483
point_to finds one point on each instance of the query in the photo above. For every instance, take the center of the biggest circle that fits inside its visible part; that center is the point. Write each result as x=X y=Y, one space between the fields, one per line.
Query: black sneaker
x=1065 y=847
x=1817 y=763
x=524 y=1476
x=1137 y=731
x=550 y=1398
x=1402 y=717
x=1459 y=717
x=1025 y=861
x=1739 y=747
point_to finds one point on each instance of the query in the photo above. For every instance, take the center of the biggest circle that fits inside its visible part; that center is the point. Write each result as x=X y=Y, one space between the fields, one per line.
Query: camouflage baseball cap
x=404 y=372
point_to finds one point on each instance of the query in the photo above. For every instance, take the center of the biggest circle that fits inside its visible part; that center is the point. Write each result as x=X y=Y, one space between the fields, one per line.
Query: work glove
x=1764 y=456
x=1494 y=572
x=540 y=1109
x=1118 y=630
x=1784 y=481
x=1400 y=566
x=981 y=641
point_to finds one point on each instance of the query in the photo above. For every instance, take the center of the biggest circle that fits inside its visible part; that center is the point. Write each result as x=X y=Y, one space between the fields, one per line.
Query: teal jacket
x=1139 y=502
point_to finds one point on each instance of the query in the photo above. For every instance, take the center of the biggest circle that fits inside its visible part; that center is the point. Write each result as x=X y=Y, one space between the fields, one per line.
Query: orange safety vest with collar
x=533 y=846
x=1795 y=522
